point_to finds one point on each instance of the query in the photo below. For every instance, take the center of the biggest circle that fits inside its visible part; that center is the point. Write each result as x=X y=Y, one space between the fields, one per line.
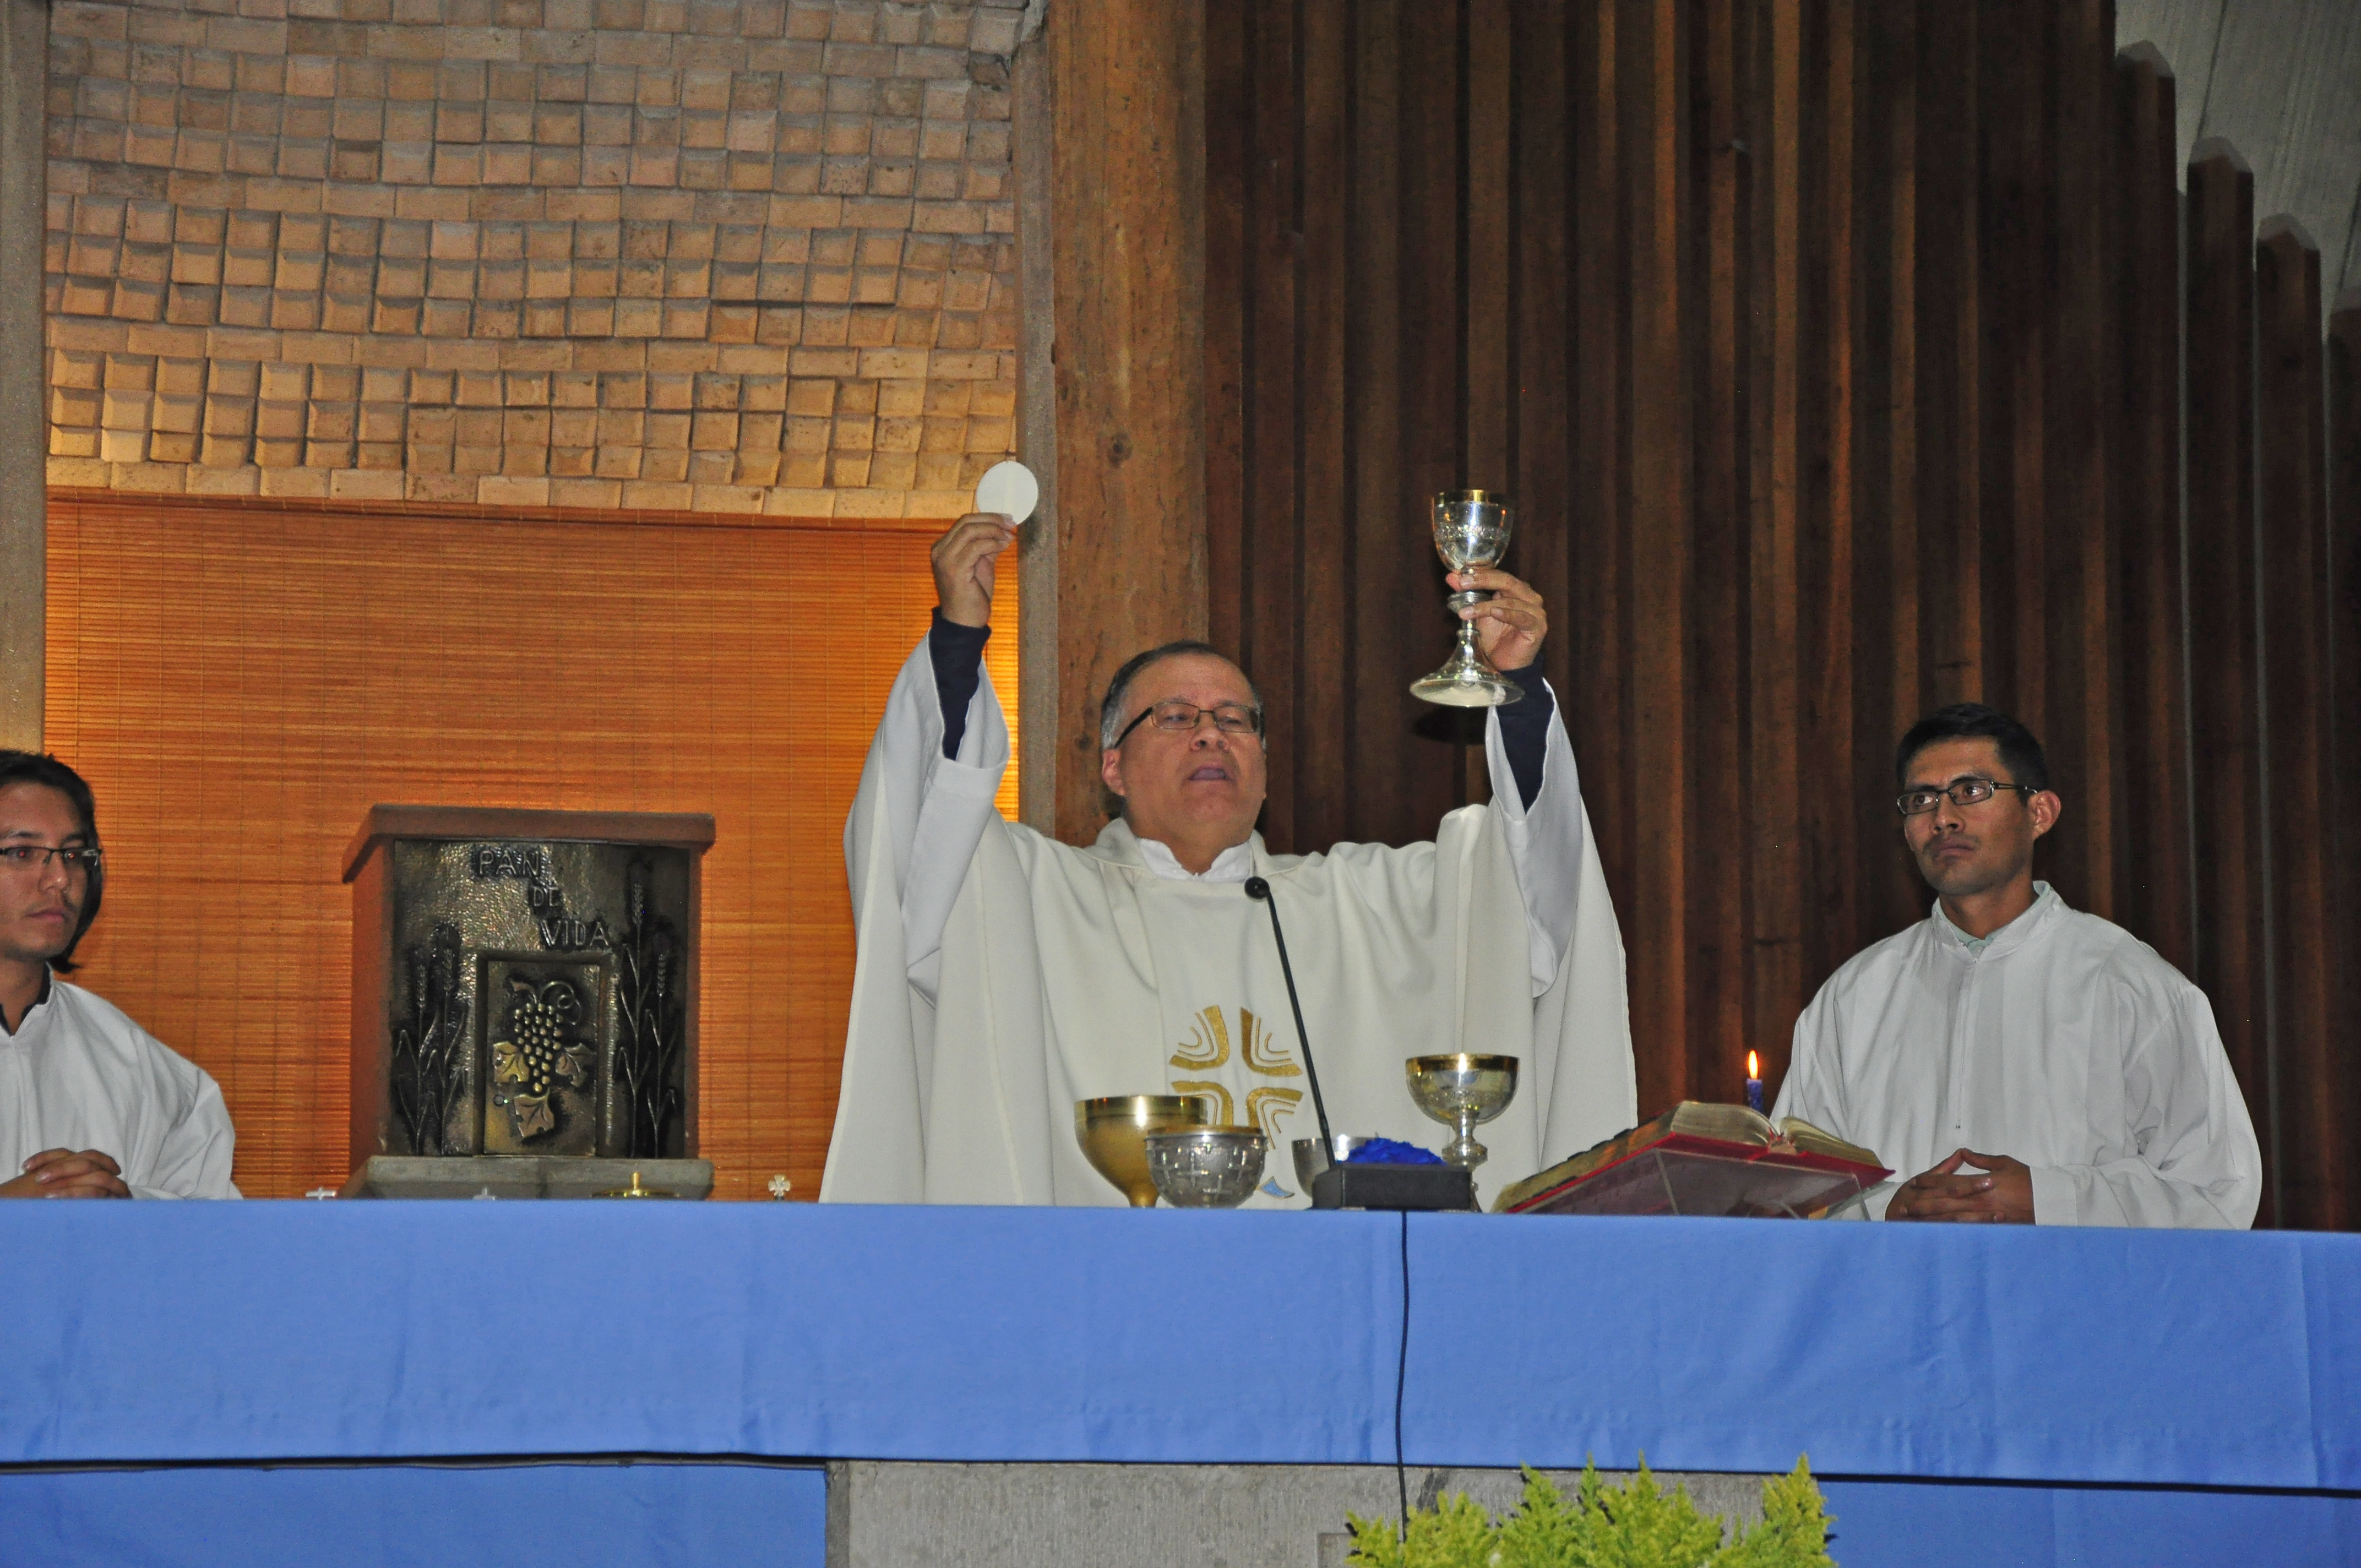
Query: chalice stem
x=1464 y=1150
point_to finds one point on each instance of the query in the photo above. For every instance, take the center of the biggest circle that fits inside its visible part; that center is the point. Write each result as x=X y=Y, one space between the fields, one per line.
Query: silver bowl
x=1310 y=1159
x=1207 y=1168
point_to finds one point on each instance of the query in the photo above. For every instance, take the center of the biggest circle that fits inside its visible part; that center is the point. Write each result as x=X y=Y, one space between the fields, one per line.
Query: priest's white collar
x=2007 y=936
x=1234 y=865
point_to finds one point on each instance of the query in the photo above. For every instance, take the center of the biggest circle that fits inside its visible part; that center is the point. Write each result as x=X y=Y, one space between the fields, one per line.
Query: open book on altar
x=1702 y=1158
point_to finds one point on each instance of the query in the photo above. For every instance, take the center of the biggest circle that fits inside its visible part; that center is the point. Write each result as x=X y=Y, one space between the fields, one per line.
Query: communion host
x=92 y=1105
x=1002 y=976
x=2032 y=1063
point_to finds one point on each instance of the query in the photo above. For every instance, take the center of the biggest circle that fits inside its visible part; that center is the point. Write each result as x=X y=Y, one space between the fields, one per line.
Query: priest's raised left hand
x=1509 y=625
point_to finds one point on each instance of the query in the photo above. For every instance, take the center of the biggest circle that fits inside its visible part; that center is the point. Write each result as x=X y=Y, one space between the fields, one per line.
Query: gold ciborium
x=1463 y=1090
x=1114 y=1128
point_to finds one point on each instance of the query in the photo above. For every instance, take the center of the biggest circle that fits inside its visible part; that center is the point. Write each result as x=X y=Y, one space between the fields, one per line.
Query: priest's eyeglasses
x=1229 y=718
x=1964 y=792
x=36 y=856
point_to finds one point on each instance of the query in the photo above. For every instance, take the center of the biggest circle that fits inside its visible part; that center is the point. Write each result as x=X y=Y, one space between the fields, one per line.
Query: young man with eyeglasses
x=2031 y=1062
x=92 y=1105
x=1003 y=976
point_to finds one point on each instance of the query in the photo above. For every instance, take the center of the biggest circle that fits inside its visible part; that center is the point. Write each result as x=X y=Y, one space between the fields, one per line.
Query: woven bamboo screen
x=240 y=681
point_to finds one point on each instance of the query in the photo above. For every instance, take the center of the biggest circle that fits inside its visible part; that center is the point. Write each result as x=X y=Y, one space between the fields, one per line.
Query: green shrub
x=1636 y=1525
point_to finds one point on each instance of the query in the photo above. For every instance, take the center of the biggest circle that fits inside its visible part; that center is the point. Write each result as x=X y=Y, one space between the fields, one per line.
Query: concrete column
x=888 y=1515
x=23 y=553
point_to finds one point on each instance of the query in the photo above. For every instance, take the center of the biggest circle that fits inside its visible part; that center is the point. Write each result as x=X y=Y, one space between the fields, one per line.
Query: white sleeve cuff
x=1545 y=839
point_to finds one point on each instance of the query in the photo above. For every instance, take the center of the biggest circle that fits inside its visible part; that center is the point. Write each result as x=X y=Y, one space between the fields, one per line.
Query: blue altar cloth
x=694 y=1515
x=1959 y=1524
x=409 y=1516
x=142 y=1331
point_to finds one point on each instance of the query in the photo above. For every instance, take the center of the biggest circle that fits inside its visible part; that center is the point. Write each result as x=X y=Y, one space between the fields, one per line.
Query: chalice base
x=1467 y=680
x=1464 y=1152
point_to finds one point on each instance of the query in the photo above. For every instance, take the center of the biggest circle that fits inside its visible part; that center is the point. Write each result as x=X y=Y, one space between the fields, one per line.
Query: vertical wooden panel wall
x=1833 y=351
x=2225 y=720
x=241 y=680
x=2344 y=355
x=2313 y=1094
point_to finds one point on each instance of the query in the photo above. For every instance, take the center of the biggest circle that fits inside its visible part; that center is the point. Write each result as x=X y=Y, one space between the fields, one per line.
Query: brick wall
x=711 y=255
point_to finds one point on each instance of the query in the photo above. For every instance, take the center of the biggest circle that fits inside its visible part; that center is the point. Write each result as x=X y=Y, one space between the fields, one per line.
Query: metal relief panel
x=432 y=1060
x=538 y=1002
x=548 y=1050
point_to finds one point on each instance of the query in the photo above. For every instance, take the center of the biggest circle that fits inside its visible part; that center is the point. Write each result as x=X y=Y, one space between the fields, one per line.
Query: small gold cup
x=1114 y=1128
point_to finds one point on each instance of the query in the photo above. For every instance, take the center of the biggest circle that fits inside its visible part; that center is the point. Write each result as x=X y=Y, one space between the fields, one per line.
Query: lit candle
x=1753 y=1082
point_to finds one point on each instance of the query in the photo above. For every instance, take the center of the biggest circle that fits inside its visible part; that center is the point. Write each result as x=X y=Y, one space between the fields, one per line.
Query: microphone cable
x=1260 y=890
x=1401 y=1378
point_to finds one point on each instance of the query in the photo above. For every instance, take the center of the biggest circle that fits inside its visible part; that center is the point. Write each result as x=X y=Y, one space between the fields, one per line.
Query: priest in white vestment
x=91 y=1104
x=1003 y=976
x=2030 y=1062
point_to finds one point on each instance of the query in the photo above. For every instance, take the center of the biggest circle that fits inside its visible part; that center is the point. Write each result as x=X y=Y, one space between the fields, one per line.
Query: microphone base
x=1418 y=1188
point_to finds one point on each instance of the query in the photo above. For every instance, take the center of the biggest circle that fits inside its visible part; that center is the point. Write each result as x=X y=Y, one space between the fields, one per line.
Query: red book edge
x=1720 y=1148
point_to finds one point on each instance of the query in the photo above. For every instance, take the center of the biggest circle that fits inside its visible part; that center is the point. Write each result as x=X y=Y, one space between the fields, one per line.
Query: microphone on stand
x=1258 y=888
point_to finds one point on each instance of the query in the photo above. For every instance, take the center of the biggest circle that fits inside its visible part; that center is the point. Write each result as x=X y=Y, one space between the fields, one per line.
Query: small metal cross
x=321 y=1192
x=780 y=1187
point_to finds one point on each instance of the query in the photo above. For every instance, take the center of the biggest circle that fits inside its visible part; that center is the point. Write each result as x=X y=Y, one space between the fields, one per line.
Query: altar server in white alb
x=2030 y=1062
x=92 y=1105
x=1003 y=976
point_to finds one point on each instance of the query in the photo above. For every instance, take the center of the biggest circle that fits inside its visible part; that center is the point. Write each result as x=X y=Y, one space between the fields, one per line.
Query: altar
x=1968 y=1394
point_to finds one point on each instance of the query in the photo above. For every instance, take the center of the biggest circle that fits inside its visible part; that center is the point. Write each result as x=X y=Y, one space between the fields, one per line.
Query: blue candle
x=1753 y=1082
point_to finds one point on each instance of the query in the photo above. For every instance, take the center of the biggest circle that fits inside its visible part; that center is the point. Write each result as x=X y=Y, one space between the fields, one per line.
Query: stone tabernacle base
x=523 y=1176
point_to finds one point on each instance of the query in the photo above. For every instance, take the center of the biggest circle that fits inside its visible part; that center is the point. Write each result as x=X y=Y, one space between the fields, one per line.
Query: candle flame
x=1752 y=1069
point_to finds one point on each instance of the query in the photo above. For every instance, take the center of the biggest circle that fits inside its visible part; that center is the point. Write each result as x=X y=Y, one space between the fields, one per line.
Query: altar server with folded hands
x=92 y=1105
x=2030 y=1062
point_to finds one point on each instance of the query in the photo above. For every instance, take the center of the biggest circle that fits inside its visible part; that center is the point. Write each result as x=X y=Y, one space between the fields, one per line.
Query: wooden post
x=2313 y=1086
x=24 y=531
x=2343 y=356
x=2223 y=712
x=1127 y=167
x=1039 y=710
x=2157 y=890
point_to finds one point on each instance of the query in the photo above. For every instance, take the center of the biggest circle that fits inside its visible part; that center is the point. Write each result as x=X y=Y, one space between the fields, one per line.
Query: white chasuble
x=79 y=1074
x=1003 y=976
x=2061 y=1041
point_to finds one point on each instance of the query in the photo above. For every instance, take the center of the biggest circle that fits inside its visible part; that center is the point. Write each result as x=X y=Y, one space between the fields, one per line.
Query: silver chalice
x=1471 y=529
x=1463 y=1090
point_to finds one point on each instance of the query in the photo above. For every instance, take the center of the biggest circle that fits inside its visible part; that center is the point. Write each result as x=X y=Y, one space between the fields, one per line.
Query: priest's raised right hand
x=964 y=559
x=63 y=1173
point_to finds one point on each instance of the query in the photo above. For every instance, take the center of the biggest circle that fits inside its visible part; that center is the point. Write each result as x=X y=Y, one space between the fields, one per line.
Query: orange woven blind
x=240 y=681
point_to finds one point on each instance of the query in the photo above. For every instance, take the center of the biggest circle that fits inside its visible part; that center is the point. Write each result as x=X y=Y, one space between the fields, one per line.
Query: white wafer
x=1009 y=488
